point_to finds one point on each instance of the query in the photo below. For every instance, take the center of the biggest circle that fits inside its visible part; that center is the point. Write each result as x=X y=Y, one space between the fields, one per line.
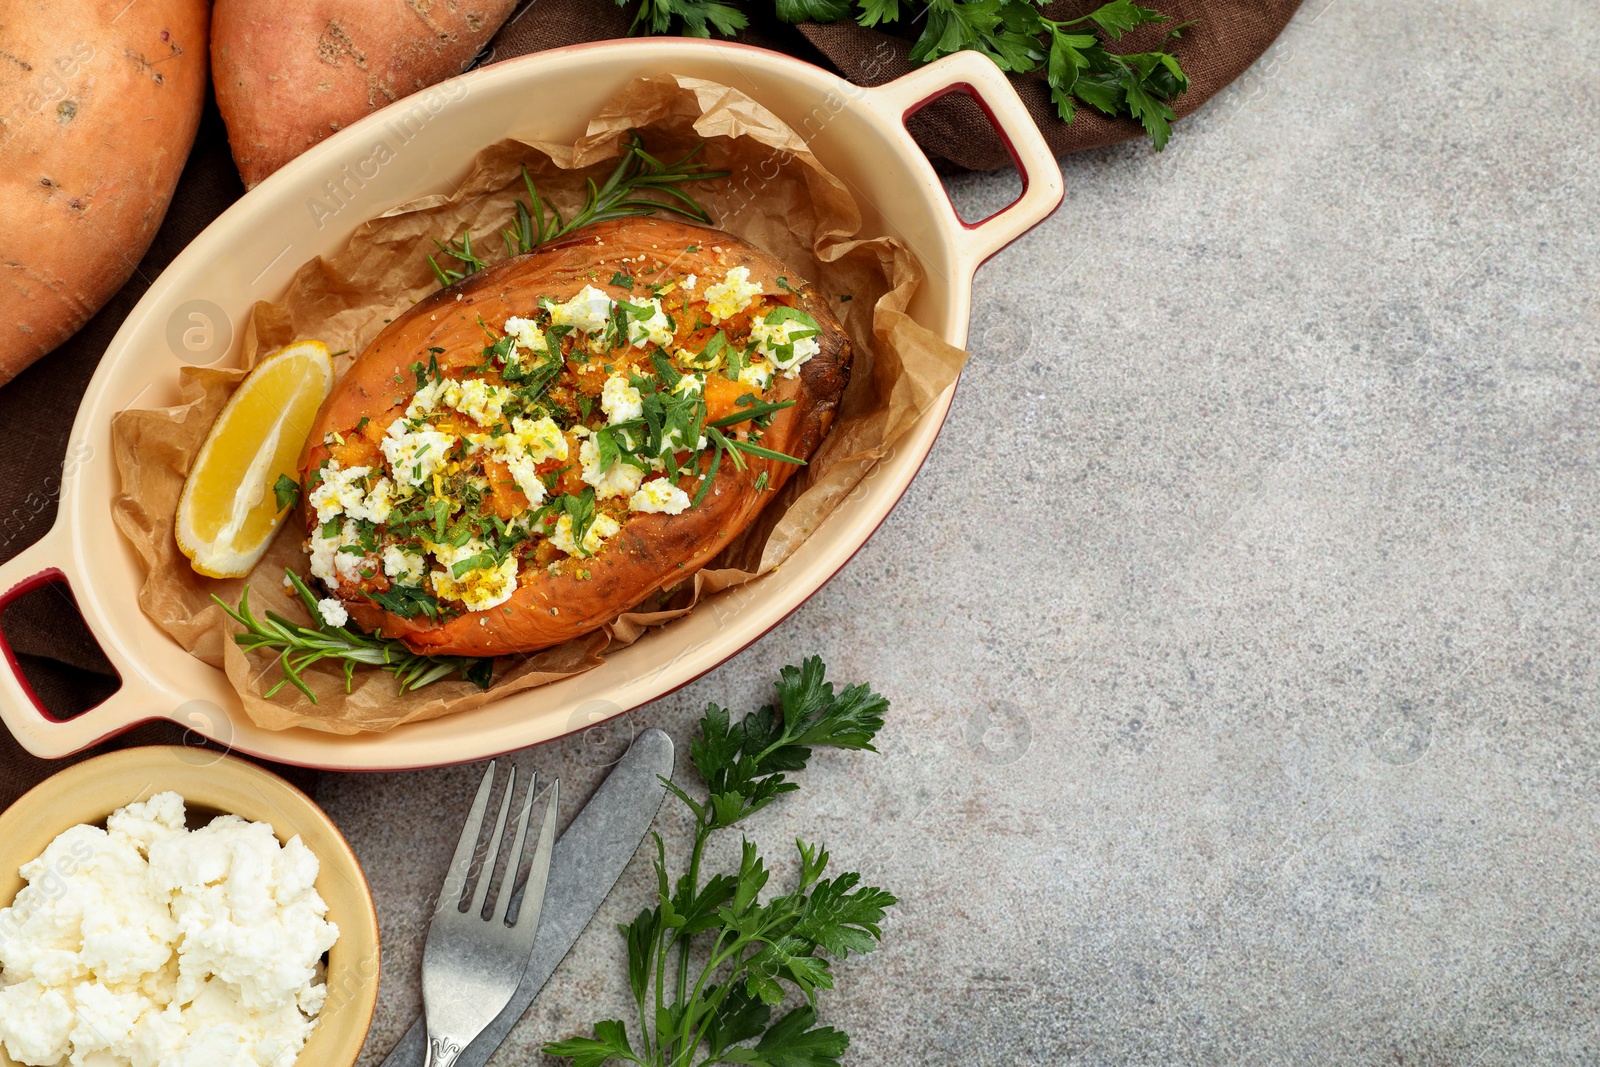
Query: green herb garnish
x=733 y=446
x=408 y=601
x=299 y=647
x=287 y=491
x=757 y=410
x=579 y=508
x=624 y=194
x=747 y=955
x=1015 y=34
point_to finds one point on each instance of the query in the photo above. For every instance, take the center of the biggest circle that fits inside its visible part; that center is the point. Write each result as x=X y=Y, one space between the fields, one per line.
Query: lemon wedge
x=228 y=511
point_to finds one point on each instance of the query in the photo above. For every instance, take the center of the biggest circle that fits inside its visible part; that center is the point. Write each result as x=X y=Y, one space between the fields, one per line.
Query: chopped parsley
x=407 y=601
x=287 y=491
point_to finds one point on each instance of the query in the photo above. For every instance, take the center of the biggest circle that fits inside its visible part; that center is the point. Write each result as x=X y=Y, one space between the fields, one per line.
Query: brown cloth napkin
x=56 y=651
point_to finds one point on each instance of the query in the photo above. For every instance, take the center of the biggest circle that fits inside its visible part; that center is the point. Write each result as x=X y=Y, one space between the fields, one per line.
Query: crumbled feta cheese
x=620 y=479
x=619 y=400
x=779 y=342
x=525 y=472
x=481 y=401
x=691 y=384
x=540 y=438
x=415 y=455
x=146 y=944
x=480 y=588
x=403 y=566
x=332 y=565
x=527 y=444
x=425 y=402
x=588 y=311
x=657 y=329
x=601 y=530
x=660 y=496
x=733 y=294
x=756 y=375
x=36 y=1022
x=344 y=492
x=526 y=335
x=106 y=1020
x=332 y=611
x=690 y=282
x=377 y=504
x=340 y=490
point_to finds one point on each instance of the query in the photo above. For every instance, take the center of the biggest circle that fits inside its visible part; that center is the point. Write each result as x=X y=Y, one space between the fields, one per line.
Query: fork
x=470 y=965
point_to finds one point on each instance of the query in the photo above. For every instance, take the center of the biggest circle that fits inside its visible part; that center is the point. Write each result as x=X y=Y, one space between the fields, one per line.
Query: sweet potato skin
x=652 y=551
x=99 y=103
x=290 y=72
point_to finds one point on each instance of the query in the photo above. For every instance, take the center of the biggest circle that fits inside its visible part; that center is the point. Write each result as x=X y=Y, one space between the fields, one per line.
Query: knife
x=585 y=863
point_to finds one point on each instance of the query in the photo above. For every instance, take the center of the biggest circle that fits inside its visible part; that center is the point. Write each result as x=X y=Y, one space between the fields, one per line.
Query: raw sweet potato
x=99 y=101
x=290 y=72
x=487 y=449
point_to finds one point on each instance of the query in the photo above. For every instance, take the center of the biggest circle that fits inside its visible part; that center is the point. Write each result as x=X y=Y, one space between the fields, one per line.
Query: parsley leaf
x=580 y=509
x=407 y=601
x=698 y=17
x=812 y=11
x=1120 y=16
x=610 y=1042
x=1018 y=37
x=287 y=491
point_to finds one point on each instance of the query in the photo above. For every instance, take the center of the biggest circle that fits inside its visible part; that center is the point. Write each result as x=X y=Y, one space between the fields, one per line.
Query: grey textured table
x=1240 y=628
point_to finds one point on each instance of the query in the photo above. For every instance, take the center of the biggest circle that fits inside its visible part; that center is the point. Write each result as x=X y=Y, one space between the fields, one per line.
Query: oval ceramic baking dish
x=859 y=135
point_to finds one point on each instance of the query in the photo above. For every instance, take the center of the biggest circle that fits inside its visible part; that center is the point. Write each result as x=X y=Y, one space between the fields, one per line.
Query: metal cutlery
x=587 y=861
x=472 y=962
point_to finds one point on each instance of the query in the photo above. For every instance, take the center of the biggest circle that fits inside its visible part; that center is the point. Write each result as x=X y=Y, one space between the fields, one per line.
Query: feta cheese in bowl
x=248 y=940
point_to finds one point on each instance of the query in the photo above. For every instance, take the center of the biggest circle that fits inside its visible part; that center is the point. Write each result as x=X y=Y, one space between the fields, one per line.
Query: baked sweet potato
x=529 y=453
x=290 y=72
x=99 y=102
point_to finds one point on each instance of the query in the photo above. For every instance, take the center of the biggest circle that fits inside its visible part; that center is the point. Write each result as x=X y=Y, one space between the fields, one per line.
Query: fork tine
x=481 y=893
x=503 y=900
x=539 y=874
x=455 y=879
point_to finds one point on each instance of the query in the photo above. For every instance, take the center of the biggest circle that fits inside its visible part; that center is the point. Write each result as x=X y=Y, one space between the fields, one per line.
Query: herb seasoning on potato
x=538 y=448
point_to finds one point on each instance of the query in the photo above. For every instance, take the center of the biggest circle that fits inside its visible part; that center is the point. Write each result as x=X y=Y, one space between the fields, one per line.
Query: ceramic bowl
x=212 y=783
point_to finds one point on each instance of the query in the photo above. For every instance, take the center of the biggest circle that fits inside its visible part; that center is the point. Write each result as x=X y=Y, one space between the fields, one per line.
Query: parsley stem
x=700 y=834
x=718 y=958
x=664 y=1044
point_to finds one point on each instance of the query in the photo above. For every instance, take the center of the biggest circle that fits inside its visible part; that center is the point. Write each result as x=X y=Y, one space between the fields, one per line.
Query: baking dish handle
x=976 y=76
x=43 y=563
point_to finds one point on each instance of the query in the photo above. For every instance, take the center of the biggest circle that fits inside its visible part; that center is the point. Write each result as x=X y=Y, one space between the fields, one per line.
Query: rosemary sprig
x=733 y=446
x=299 y=647
x=461 y=251
x=621 y=196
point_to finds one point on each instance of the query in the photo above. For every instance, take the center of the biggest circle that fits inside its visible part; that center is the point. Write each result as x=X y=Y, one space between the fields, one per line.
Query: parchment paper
x=778 y=198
